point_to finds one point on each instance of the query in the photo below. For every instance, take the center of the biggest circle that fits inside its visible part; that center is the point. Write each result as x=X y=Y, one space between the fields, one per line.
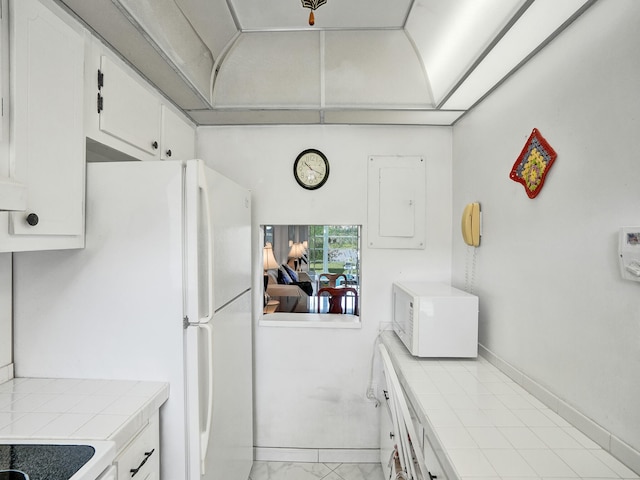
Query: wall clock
x=311 y=169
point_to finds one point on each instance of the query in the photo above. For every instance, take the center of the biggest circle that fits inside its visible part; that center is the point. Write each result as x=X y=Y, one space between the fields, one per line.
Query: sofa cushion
x=306 y=287
x=272 y=277
x=292 y=273
x=283 y=277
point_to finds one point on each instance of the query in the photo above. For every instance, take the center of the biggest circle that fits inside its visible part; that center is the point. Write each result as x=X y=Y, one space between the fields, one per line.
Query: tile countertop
x=77 y=409
x=483 y=424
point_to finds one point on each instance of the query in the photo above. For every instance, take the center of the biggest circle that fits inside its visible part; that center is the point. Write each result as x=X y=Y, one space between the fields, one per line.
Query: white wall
x=310 y=383
x=552 y=302
x=5 y=317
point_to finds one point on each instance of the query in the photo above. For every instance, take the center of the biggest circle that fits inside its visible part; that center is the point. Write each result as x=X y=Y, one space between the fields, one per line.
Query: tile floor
x=315 y=471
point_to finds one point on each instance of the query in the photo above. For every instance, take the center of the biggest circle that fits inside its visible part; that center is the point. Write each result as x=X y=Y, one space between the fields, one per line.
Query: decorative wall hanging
x=312 y=5
x=533 y=164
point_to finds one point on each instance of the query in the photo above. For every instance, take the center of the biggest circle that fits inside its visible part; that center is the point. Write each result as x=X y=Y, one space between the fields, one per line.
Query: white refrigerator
x=161 y=292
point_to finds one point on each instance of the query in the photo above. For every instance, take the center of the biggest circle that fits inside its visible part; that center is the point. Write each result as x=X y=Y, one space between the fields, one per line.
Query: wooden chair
x=338 y=302
x=331 y=279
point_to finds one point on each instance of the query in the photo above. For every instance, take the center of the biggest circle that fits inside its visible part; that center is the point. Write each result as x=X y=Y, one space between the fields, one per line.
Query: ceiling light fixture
x=312 y=4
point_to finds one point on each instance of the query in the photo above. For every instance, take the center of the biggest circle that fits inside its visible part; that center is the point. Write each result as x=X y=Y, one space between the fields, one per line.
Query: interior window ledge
x=310 y=320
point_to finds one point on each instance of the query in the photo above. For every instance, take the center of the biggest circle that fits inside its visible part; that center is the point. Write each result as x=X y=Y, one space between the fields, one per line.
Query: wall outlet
x=384 y=326
x=372 y=393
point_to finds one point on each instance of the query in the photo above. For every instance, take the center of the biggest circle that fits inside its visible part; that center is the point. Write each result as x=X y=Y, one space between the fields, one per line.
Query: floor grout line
x=351 y=471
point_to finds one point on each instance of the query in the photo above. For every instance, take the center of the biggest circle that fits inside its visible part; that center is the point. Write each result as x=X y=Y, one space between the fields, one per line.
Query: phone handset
x=471 y=224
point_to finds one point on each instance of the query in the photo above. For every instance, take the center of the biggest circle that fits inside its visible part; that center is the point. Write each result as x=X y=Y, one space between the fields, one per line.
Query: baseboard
x=598 y=434
x=6 y=373
x=316 y=455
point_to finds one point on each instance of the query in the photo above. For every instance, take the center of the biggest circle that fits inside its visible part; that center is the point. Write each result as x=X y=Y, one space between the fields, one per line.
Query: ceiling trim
x=234 y=15
x=323 y=77
x=512 y=21
x=526 y=59
x=319 y=29
x=425 y=72
x=409 y=10
x=297 y=116
x=150 y=40
x=218 y=63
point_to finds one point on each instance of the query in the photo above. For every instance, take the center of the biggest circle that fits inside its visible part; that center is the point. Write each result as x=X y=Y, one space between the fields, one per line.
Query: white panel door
x=47 y=61
x=129 y=111
x=396 y=202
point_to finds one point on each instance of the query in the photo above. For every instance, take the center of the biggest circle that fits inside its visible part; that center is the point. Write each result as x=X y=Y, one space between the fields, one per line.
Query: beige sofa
x=275 y=289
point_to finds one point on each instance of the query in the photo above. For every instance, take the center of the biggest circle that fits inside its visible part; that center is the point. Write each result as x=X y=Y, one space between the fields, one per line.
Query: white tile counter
x=44 y=408
x=483 y=424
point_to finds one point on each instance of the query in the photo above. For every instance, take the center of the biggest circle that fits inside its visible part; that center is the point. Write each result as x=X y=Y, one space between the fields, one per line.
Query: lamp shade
x=268 y=259
x=296 y=251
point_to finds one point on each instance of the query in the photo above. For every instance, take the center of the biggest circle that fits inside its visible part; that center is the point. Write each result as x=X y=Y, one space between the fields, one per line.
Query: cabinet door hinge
x=100 y=79
x=100 y=107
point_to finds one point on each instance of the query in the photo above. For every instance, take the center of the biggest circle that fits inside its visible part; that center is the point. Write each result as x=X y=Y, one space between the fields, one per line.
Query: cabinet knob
x=154 y=145
x=168 y=153
x=32 y=219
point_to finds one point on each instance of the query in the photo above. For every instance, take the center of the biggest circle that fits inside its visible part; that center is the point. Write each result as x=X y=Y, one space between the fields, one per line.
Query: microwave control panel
x=629 y=253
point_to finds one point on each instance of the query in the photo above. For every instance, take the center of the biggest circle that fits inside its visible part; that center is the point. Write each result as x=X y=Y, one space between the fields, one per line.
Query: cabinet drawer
x=431 y=459
x=108 y=474
x=140 y=460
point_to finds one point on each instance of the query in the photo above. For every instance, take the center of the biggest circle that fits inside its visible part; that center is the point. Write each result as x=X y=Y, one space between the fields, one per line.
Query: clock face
x=311 y=169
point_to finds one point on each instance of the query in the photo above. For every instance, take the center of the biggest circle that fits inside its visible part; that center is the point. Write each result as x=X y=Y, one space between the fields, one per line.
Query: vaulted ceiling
x=363 y=61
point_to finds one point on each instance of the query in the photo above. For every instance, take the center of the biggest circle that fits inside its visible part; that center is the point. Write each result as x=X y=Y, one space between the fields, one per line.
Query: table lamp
x=269 y=262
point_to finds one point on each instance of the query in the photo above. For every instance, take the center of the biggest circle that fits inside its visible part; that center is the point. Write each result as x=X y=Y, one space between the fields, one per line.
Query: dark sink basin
x=42 y=461
x=13 y=475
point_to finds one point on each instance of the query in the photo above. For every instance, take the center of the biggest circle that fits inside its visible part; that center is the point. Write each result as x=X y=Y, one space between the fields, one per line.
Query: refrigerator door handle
x=202 y=184
x=204 y=435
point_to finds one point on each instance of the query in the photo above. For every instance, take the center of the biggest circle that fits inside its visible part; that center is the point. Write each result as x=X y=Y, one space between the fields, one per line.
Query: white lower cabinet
x=387 y=438
x=388 y=441
x=430 y=458
x=140 y=459
x=405 y=420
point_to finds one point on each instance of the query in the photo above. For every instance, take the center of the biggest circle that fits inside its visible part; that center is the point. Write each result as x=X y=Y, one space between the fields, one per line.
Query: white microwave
x=435 y=319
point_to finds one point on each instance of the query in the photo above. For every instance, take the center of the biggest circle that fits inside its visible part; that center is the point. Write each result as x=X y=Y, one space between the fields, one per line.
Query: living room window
x=315 y=269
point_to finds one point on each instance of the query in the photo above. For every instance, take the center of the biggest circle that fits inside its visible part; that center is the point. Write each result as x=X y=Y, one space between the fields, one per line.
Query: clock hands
x=311 y=168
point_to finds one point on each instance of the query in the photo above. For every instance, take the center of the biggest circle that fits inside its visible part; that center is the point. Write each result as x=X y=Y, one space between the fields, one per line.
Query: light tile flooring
x=315 y=471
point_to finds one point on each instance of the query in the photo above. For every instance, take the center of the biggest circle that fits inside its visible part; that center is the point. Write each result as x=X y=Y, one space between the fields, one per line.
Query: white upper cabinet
x=126 y=114
x=178 y=137
x=127 y=110
x=47 y=148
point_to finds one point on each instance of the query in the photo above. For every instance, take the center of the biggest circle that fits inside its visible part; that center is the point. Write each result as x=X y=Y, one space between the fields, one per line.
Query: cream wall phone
x=629 y=253
x=471 y=224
